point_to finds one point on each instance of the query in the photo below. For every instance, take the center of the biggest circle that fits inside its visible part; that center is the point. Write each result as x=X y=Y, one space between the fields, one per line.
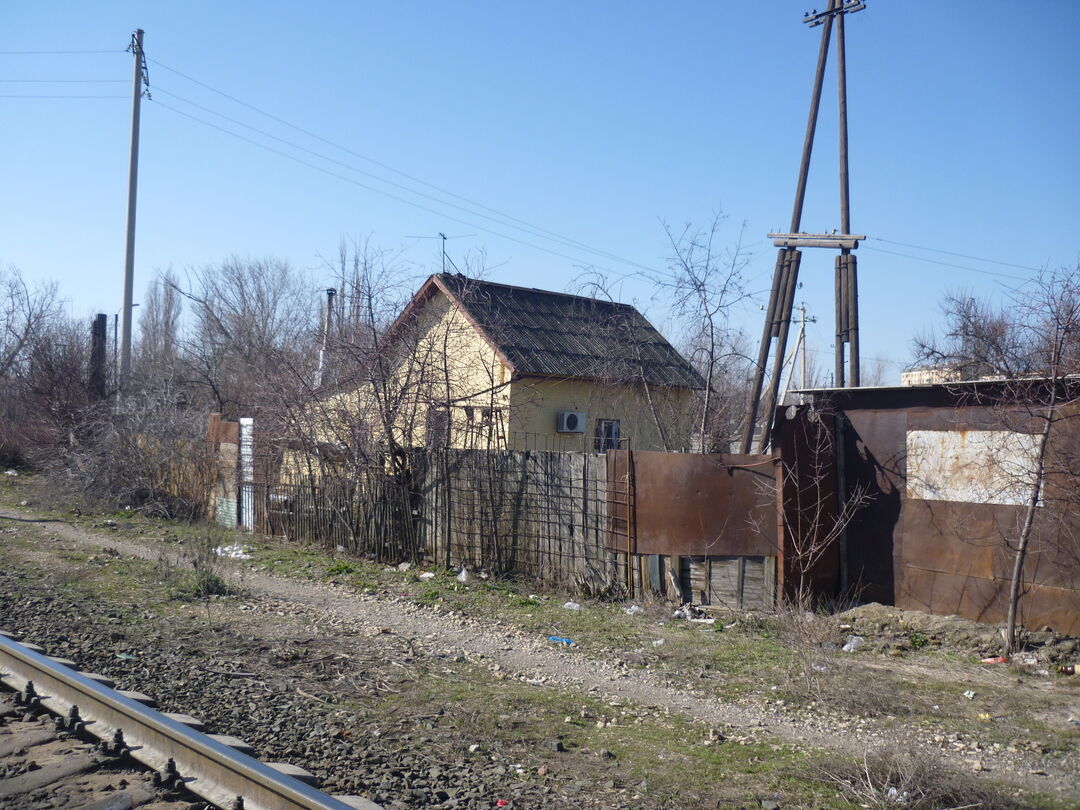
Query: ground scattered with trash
x=890 y=629
x=465 y=690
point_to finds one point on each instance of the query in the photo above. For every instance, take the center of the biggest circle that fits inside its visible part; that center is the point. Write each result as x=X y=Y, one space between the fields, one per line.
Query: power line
x=53 y=53
x=63 y=81
x=887 y=360
x=948 y=264
x=532 y=232
x=23 y=95
x=326 y=171
x=961 y=255
x=536 y=228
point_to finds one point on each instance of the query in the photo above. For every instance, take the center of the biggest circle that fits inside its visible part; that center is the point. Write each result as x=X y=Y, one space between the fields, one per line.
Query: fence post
x=247 y=473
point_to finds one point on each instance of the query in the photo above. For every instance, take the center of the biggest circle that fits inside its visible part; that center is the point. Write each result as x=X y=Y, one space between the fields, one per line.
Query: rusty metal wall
x=805 y=444
x=875 y=463
x=939 y=554
x=691 y=504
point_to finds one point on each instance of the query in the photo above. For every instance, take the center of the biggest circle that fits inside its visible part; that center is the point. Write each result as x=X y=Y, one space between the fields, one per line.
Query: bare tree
x=26 y=315
x=977 y=340
x=159 y=328
x=254 y=324
x=1032 y=345
x=704 y=281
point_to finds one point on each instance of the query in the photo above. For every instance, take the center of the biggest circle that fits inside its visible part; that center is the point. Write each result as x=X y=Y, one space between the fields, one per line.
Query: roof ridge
x=487 y=283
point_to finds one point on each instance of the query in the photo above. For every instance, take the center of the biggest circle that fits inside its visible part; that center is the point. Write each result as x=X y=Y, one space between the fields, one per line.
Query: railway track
x=180 y=757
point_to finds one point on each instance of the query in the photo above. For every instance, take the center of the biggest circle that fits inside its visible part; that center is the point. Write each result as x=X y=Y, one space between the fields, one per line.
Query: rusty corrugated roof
x=549 y=334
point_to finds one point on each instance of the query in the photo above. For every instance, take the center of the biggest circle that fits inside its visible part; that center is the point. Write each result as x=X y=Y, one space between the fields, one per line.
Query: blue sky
x=595 y=121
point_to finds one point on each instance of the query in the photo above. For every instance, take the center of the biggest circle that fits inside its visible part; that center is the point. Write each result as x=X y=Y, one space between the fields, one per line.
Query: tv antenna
x=444 y=237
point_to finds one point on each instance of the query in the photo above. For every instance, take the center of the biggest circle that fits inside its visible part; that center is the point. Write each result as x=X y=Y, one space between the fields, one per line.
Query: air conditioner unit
x=571 y=422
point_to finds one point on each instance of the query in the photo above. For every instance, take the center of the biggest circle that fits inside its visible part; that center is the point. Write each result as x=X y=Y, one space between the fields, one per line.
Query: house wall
x=440 y=359
x=535 y=404
x=443 y=358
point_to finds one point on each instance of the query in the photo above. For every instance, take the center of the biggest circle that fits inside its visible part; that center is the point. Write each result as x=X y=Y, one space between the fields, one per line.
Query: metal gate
x=709 y=520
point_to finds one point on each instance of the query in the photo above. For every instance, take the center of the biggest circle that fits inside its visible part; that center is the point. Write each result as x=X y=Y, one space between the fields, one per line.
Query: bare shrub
x=806 y=633
x=152 y=458
x=205 y=564
x=197 y=572
x=890 y=778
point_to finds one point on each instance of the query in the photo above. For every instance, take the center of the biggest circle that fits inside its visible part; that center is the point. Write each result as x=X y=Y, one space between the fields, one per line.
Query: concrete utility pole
x=800 y=343
x=141 y=81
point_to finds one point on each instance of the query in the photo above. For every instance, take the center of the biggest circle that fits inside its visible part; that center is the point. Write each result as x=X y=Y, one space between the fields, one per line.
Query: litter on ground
x=853 y=643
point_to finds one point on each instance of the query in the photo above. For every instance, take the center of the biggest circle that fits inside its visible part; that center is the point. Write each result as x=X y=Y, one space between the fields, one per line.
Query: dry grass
x=891 y=778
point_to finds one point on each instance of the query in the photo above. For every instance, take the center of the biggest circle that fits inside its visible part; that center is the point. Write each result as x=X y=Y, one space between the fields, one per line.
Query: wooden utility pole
x=789 y=257
x=140 y=84
x=847 y=287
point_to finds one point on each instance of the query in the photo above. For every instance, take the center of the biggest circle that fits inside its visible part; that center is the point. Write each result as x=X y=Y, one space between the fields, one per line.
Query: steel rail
x=206 y=767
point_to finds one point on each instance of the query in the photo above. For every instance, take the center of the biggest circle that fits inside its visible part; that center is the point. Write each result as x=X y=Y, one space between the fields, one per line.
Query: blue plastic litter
x=561 y=640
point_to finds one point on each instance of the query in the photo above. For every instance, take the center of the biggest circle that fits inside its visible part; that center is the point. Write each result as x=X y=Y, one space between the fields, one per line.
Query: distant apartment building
x=927 y=375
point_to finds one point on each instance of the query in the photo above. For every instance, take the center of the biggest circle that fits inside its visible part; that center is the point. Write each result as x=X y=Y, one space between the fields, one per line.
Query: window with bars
x=607 y=435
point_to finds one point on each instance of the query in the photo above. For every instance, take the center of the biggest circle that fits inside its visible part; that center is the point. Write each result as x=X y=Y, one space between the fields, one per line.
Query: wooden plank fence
x=540 y=515
x=534 y=514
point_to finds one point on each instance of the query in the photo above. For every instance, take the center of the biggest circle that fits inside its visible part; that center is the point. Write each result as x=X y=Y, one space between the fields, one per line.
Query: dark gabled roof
x=549 y=334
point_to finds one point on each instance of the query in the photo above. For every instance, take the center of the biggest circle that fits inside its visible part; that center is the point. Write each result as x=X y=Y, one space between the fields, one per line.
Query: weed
x=917 y=640
x=338 y=568
x=428 y=596
x=197 y=574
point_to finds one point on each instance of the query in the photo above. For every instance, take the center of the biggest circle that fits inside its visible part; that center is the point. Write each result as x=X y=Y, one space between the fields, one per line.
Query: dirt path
x=513 y=653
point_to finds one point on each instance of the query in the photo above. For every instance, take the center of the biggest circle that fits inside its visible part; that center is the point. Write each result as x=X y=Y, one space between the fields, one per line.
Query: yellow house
x=475 y=364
